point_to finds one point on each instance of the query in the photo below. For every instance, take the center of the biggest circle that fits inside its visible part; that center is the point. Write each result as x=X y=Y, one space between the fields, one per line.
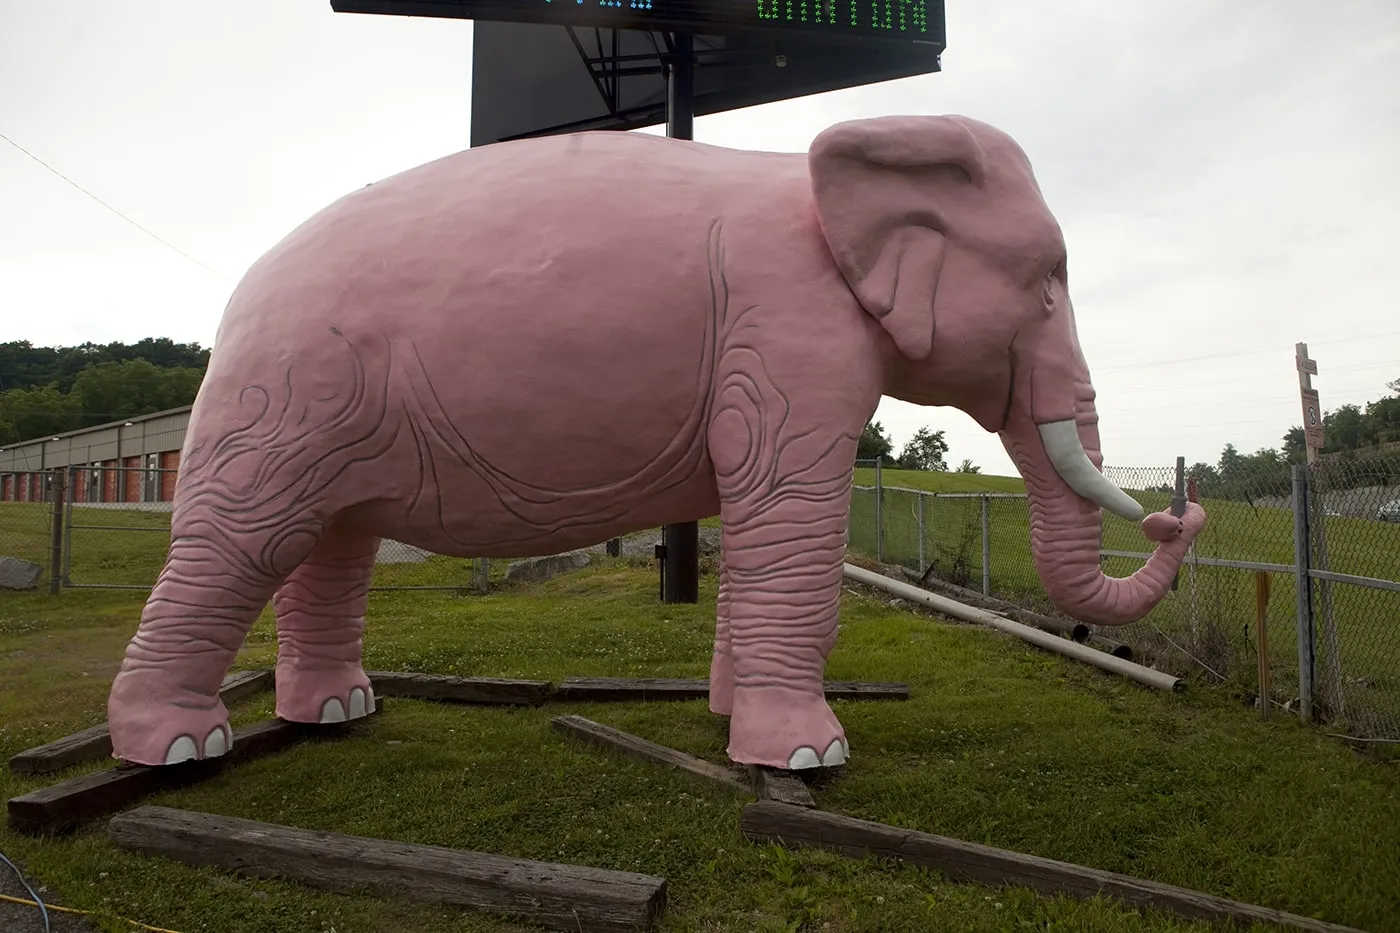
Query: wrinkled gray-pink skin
x=538 y=345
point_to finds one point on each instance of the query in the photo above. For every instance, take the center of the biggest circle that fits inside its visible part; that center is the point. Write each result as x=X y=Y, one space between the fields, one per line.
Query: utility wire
x=164 y=242
x=1234 y=354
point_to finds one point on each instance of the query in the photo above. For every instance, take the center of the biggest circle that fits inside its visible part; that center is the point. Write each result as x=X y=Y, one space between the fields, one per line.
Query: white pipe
x=1071 y=649
x=1066 y=453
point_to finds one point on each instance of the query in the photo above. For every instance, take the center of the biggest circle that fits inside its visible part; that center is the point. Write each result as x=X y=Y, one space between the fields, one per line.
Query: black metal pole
x=680 y=89
x=680 y=544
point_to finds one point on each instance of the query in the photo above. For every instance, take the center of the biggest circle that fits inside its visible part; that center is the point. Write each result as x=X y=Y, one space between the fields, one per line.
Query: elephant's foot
x=779 y=727
x=148 y=730
x=323 y=694
x=722 y=684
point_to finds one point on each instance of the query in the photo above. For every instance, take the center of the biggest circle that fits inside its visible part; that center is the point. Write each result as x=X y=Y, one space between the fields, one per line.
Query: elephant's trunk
x=1061 y=465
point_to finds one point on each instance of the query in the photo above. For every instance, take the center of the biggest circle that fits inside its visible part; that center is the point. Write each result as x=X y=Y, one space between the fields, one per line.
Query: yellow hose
x=74 y=910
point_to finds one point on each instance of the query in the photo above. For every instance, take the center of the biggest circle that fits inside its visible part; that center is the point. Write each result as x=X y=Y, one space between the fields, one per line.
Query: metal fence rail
x=115 y=534
x=1343 y=666
x=109 y=528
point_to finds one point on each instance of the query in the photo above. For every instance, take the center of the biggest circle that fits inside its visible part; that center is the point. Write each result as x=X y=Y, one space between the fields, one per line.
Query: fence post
x=986 y=545
x=56 y=532
x=1302 y=559
x=68 y=530
x=481 y=574
x=879 y=510
x=1333 y=699
x=923 y=565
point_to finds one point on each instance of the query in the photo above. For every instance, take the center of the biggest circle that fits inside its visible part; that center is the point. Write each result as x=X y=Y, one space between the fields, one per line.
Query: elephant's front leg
x=722 y=663
x=784 y=510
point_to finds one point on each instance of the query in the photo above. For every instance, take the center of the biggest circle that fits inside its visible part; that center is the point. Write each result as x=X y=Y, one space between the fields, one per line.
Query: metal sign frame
x=864 y=21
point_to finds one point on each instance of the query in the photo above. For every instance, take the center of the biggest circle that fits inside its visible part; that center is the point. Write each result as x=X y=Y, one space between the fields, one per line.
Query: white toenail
x=333 y=711
x=804 y=757
x=369 y=691
x=182 y=749
x=216 y=743
x=835 y=754
x=357 y=703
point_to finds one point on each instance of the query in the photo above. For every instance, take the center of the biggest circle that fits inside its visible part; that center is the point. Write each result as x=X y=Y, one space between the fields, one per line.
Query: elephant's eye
x=1054 y=284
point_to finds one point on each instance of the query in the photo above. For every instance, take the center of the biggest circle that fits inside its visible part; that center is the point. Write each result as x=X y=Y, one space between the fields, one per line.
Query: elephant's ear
x=880 y=187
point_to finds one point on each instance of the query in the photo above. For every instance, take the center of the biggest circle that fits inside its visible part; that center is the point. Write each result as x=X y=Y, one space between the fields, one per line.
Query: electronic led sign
x=537 y=80
x=917 y=21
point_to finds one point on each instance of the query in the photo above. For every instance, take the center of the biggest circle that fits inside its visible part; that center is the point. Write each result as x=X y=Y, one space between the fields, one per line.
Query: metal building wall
x=147 y=441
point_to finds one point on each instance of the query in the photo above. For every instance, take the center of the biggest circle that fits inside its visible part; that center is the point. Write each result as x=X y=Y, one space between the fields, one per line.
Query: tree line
x=48 y=390
x=1361 y=448
x=926 y=450
x=1358 y=450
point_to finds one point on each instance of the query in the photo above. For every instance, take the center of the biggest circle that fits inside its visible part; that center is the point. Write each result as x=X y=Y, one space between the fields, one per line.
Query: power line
x=1234 y=354
x=1227 y=382
x=164 y=242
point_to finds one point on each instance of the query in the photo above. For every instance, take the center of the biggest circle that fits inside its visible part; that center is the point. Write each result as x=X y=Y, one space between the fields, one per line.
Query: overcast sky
x=1227 y=173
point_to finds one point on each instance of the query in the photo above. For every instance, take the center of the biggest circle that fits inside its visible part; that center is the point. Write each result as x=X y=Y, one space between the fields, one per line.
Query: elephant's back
x=563 y=287
x=566 y=227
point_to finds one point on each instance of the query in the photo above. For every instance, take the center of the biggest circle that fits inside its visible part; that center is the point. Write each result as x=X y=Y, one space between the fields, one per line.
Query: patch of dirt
x=20 y=917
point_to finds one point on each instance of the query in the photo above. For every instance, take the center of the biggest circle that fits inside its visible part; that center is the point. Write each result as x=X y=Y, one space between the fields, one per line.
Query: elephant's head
x=940 y=229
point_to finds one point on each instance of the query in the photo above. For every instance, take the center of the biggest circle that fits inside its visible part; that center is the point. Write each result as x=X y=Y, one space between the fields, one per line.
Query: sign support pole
x=1331 y=700
x=680 y=544
x=1312 y=406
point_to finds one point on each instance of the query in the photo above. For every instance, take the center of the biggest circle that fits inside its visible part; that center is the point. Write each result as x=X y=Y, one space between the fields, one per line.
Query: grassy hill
x=999 y=743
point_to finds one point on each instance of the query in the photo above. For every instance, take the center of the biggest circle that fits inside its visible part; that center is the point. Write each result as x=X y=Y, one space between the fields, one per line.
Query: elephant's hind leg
x=320 y=625
x=164 y=706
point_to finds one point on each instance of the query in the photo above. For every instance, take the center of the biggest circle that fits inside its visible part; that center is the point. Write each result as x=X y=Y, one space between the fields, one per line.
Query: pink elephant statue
x=538 y=345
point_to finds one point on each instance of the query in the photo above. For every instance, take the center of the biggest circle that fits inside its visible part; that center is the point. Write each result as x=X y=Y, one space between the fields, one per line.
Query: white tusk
x=1061 y=439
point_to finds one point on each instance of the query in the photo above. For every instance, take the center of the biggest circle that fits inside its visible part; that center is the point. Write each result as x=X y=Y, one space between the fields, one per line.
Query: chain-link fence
x=1208 y=624
x=1353 y=529
x=107 y=526
x=113 y=530
x=1332 y=652
x=27 y=531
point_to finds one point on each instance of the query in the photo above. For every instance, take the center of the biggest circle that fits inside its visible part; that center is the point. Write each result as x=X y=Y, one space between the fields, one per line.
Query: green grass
x=1000 y=744
x=1211 y=615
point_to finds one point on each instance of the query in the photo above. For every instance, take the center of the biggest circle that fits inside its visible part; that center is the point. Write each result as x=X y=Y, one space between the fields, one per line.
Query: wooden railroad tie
x=95 y=743
x=764 y=783
x=494 y=691
x=770 y=821
x=68 y=804
x=555 y=896
x=631 y=746
x=486 y=691
x=781 y=787
x=615 y=689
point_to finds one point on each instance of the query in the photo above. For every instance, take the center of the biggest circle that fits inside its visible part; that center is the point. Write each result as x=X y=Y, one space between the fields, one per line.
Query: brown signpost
x=1314 y=438
x=1312 y=405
